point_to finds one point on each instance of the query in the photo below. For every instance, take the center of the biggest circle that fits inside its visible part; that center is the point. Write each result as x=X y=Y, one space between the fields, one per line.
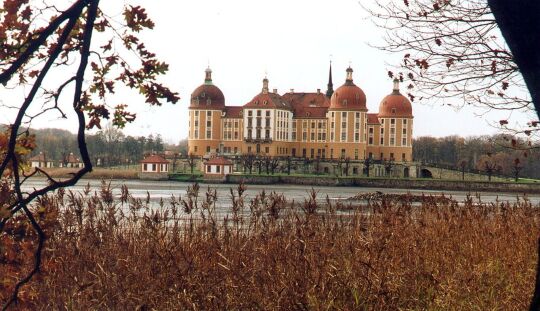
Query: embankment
x=428 y=184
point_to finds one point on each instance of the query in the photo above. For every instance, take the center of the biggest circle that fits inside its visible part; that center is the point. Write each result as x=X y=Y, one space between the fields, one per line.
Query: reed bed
x=105 y=252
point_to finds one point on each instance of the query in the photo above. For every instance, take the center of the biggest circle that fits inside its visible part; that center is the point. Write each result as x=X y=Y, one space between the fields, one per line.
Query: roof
x=218 y=161
x=233 y=111
x=308 y=105
x=348 y=96
x=73 y=159
x=267 y=100
x=207 y=95
x=372 y=118
x=38 y=158
x=155 y=158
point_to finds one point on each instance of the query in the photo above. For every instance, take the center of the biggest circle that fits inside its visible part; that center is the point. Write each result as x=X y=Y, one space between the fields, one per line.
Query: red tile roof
x=395 y=105
x=155 y=158
x=218 y=161
x=233 y=111
x=372 y=118
x=268 y=101
x=38 y=158
x=308 y=105
x=73 y=159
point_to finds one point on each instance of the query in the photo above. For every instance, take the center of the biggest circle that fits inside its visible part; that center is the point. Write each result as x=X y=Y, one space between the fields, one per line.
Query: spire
x=265 y=85
x=349 y=75
x=396 y=86
x=330 y=89
x=208 y=77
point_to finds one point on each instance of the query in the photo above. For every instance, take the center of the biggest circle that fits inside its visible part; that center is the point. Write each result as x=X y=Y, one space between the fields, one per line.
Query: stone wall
x=153 y=176
x=388 y=183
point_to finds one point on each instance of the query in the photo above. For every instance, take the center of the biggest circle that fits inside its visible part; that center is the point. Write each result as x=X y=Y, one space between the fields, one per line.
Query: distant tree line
x=491 y=155
x=108 y=147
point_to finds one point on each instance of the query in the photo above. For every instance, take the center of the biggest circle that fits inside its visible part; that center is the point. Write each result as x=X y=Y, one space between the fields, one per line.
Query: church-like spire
x=208 y=77
x=330 y=89
x=396 y=86
x=265 y=85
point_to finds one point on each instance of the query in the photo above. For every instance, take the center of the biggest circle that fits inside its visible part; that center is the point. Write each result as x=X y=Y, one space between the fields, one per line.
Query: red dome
x=395 y=105
x=348 y=96
x=207 y=95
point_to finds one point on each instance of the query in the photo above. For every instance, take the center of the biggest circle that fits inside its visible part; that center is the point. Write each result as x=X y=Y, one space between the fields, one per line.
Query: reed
x=106 y=252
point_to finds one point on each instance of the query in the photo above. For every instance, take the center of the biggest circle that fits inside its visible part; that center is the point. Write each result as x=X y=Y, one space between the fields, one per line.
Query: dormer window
x=344 y=102
x=203 y=94
x=256 y=102
x=265 y=102
x=393 y=110
x=208 y=101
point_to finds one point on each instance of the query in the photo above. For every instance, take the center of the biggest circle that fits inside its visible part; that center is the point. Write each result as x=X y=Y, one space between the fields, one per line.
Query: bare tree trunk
x=518 y=21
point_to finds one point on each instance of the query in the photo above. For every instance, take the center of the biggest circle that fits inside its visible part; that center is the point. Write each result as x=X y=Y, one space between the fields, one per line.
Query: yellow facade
x=269 y=125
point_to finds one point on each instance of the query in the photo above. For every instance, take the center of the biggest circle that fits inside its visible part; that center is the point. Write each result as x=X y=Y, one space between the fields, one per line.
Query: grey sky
x=289 y=40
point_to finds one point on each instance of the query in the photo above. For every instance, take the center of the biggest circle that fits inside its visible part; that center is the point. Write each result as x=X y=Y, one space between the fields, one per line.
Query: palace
x=330 y=125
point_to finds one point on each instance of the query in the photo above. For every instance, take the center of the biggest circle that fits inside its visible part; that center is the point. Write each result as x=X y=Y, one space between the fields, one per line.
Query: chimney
x=275 y=91
x=318 y=91
x=292 y=90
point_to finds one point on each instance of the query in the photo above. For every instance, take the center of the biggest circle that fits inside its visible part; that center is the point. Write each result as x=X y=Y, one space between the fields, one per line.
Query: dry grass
x=104 y=254
x=97 y=173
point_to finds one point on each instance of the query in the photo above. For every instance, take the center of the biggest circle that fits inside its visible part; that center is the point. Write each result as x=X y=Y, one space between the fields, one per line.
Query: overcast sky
x=291 y=41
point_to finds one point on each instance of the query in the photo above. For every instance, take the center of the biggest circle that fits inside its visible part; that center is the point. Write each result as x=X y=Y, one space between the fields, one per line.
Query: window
x=258 y=113
x=404 y=121
x=312 y=136
x=208 y=134
x=382 y=141
x=293 y=135
x=344 y=115
x=304 y=136
x=249 y=134
x=145 y=167
x=343 y=124
x=208 y=123
x=393 y=130
x=391 y=155
x=250 y=122
x=250 y=113
x=218 y=168
x=343 y=153
x=207 y=148
x=371 y=130
x=331 y=153
x=370 y=141
x=312 y=153
x=343 y=136
x=196 y=149
x=267 y=134
x=358 y=115
x=403 y=157
x=209 y=113
x=356 y=137
x=312 y=125
x=304 y=152
x=249 y=149
x=404 y=142
x=392 y=141
x=392 y=121
x=267 y=122
x=393 y=110
x=235 y=149
x=196 y=113
x=258 y=122
x=208 y=101
x=356 y=154
x=404 y=131
x=258 y=133
x=267 y=113
x=267 y=150
x=208 y=168
x=344 y=102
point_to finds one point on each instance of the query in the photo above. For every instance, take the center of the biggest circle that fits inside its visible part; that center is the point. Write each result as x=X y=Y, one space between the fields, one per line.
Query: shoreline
x=361 y=182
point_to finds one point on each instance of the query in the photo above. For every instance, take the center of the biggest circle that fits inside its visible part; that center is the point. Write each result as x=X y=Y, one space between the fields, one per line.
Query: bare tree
x=367 y=165
x=516 y=168
x=191 y=160
x=388 y=166
x=42 y=42
x=452 y=52
x=248 y=160
x=488 y=164
x=462 y=166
